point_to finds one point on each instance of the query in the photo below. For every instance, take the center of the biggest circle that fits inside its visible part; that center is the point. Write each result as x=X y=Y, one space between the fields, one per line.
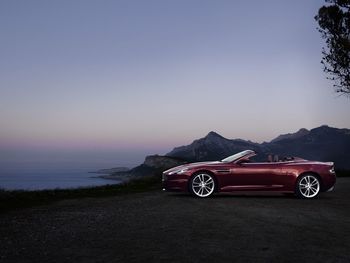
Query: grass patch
x=10 y=200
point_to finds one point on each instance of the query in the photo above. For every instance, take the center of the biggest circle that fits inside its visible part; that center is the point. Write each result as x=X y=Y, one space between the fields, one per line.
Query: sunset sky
x=146 y=76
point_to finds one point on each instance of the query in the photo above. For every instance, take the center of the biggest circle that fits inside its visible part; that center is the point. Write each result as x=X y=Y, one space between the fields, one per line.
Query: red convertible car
x=306 y=179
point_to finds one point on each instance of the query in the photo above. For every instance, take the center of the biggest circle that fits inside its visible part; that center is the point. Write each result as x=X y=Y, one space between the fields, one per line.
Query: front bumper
x=174 y=182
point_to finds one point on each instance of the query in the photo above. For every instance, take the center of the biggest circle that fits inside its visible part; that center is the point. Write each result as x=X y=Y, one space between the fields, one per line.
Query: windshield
x=236 y=156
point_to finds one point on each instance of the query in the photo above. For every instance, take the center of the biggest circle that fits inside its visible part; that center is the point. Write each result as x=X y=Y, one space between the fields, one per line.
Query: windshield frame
x=238 y=156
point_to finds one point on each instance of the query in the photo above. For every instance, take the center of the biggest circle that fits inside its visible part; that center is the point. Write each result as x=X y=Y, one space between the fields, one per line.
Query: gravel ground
x=158 y=227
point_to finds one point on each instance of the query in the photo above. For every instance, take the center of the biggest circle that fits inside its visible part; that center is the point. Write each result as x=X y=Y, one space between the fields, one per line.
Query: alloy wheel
x=309 y=186
x=203 y=185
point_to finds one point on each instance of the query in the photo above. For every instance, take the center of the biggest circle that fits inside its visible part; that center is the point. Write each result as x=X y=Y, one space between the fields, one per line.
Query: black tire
x=202 y=185
x=308 y=186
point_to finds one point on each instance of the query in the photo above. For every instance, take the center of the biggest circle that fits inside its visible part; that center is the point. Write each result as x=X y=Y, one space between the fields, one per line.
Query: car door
x=253 y=176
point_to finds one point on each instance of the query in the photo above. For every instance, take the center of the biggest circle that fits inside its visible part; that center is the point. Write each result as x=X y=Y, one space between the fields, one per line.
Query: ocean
x=50 y=179
x=38 y=170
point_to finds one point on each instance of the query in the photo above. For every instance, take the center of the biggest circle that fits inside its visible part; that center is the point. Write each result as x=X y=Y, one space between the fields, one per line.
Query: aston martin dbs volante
x=306 y=179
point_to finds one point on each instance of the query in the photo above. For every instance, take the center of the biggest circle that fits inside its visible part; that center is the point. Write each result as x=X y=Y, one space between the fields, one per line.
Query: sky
x=141 y=77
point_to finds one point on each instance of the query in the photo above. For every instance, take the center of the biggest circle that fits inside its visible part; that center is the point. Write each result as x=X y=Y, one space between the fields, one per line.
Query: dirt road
x=168 y=227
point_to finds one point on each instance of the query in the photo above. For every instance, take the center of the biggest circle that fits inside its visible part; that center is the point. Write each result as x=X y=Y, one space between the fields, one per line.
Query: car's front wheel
x=308 y=186
x=202 y=185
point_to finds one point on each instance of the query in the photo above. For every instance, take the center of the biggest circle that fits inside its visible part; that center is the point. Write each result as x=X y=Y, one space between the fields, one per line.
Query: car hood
x=191 y=165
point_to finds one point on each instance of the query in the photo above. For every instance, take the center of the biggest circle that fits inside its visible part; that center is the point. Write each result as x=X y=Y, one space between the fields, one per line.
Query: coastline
x=111 y=170
x=121 y=174
x=124 y=177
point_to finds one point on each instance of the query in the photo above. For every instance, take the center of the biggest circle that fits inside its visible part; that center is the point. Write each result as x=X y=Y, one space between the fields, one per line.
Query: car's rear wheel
x=308 y=186
x=202 y=185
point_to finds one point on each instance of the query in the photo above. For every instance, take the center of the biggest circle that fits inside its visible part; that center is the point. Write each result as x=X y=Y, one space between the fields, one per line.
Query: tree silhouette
x=334 y=26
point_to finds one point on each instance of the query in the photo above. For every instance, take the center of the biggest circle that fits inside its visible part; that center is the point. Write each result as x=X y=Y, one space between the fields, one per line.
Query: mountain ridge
x=301 y=132
x=322 y=143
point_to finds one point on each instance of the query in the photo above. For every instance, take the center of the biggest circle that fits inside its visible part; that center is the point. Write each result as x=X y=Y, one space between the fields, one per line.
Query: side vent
x=223 y=171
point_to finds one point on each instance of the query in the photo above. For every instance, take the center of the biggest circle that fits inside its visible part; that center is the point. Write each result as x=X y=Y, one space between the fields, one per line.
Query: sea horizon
x=54 y=177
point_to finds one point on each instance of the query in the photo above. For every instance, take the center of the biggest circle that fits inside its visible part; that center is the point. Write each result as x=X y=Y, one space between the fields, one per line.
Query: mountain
x=212 y=147
x=320 y=144
x=295 y=135
x=323 y=144
x=153 y=165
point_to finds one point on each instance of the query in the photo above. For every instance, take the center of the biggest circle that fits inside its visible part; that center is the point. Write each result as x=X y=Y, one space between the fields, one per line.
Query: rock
x=162 y=162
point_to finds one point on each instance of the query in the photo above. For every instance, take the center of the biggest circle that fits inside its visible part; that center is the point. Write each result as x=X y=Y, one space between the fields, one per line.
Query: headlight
x=180 y=171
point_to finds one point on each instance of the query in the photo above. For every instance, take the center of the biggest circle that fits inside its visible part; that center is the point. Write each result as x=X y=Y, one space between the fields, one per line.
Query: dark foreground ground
x=167 y=227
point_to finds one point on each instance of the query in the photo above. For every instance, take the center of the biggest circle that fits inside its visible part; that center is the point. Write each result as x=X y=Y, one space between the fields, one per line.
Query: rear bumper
x=329 y=181
x=331 y=189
